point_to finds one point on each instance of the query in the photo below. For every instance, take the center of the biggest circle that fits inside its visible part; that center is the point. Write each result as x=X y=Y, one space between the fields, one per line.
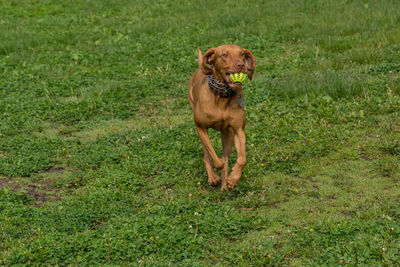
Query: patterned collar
x=220 y=88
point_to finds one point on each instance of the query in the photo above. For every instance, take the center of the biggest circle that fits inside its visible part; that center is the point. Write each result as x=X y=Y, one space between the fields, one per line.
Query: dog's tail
x=199 y=56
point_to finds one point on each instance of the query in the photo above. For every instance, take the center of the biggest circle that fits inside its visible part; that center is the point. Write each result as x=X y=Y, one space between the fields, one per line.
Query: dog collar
x=220 y=88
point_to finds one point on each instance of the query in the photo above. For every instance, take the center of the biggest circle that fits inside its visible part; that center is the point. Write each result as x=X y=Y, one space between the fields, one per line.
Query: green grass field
x=100 y=163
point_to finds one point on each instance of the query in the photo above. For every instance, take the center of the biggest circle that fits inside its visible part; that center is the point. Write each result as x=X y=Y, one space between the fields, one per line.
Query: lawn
x=100 y=163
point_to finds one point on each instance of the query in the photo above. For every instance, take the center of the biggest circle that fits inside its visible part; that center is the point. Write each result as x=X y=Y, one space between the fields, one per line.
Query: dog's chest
x=219 y=118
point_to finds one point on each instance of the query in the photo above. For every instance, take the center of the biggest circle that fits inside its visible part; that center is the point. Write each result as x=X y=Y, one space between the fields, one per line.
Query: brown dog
x=218 y=103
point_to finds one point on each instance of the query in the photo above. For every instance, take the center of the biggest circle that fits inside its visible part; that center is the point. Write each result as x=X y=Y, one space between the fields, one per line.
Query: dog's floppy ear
x=207 y=60
x=250 y=62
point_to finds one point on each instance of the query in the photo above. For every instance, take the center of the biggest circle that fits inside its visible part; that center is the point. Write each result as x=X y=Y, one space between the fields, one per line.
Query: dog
x=218 y=103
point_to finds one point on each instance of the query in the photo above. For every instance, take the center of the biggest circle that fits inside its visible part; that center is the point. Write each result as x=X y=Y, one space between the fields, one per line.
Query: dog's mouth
x=231 y=84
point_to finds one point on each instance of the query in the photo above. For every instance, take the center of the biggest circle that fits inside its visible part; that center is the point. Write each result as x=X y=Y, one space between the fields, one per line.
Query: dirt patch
x=96 y=224
x=41 y=191
x=347 y=212
x=53 y=170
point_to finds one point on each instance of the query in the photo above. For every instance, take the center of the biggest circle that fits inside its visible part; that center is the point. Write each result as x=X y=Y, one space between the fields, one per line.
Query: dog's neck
x=219 y=88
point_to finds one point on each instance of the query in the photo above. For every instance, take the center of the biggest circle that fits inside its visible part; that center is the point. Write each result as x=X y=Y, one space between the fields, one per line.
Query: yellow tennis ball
x=238 y=78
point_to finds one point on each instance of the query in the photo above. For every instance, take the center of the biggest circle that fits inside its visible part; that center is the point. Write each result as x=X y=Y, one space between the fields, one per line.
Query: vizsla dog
x=218 y=103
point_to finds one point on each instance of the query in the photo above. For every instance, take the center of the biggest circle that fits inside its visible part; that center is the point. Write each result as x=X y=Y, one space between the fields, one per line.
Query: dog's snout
x=240 y=66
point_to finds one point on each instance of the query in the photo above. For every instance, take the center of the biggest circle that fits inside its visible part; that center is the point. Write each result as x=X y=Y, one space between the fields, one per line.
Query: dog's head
x=226 y=59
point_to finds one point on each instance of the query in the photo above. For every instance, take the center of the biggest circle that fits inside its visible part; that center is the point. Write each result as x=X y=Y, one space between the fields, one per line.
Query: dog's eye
x=242 y=54
x=224 y=54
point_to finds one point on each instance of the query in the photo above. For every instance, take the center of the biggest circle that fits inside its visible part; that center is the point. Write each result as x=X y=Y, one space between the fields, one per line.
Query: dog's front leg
x=213 y=178
x=205 y=140
x=227 y=143
x=240 y=144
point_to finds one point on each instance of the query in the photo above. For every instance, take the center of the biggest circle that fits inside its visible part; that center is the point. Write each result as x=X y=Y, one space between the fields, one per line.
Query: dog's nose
x=240 y=64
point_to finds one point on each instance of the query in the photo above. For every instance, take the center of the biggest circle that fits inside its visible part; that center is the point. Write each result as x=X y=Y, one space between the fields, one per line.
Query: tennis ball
x=238 y=78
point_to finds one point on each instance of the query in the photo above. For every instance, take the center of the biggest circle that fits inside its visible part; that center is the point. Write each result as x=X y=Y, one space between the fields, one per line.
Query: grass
x=100 y=163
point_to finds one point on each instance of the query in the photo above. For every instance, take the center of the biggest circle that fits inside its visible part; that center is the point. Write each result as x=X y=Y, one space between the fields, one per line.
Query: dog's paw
x=226 y=185
x=230 y=186
x=214 y=181
x=232 y=181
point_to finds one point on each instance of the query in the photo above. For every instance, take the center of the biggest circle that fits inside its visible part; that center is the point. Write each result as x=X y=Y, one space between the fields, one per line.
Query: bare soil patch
x=41 y=191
